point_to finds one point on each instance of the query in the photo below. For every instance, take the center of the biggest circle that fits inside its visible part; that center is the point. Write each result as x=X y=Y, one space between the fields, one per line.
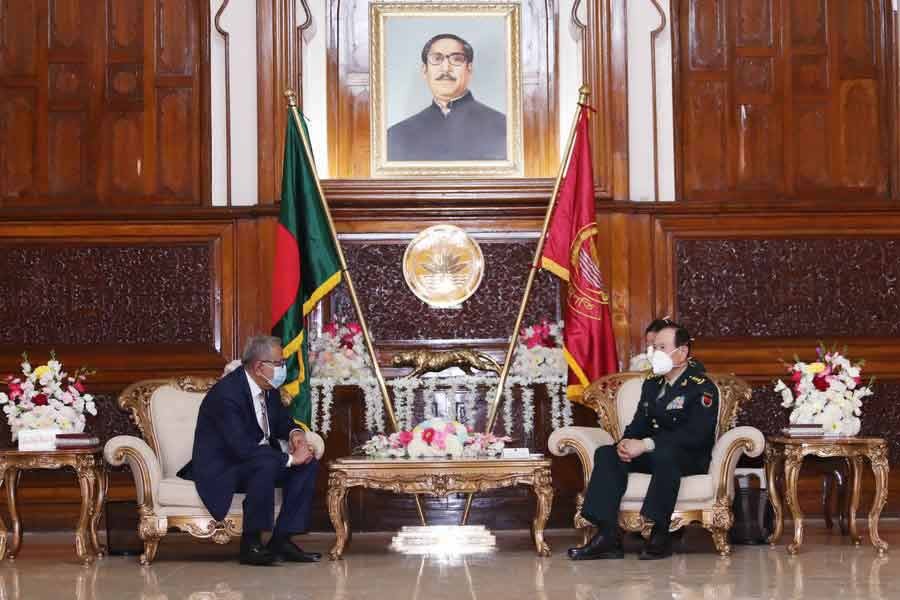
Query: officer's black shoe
x=603 y=545
x=658 y=546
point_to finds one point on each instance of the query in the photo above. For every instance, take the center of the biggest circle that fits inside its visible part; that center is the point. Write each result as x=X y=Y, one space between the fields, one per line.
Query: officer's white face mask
x=661 y=362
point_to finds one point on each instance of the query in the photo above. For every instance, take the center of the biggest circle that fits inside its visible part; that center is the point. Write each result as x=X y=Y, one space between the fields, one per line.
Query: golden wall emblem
x=443 y=266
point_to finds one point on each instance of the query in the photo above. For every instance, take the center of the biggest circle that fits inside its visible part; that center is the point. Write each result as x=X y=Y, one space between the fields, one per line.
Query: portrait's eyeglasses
x=457 y=59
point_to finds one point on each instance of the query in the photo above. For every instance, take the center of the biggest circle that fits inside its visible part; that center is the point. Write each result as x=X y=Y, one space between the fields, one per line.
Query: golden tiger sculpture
x=429 y=361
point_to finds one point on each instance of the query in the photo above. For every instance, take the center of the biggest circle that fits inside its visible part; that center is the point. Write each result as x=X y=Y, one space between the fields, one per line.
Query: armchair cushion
x=694 y=488
x=174 y=491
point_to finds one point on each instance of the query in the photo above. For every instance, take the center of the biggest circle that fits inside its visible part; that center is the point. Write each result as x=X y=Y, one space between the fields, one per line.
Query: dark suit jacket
x=682 y=416
x=470 y=131
x=227 y=435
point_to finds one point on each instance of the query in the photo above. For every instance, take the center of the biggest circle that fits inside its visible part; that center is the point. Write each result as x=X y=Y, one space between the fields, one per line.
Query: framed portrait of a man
x=445 y=81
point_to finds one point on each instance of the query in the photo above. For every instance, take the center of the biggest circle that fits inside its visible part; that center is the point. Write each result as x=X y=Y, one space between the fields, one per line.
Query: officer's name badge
x=676 y=404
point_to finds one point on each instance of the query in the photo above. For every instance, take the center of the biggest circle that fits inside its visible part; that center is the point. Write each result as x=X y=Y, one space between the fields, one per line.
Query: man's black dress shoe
x=256 y=554
x=603 y=545
x=658 y=546
x=288 y=551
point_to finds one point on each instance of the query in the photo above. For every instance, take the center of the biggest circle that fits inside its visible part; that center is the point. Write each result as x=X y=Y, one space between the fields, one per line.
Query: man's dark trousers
x=259 y=477
x=666 y=465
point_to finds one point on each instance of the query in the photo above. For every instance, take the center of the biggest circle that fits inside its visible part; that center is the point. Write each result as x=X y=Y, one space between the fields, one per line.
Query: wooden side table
x=92 y=478
x=789 y=452
x=437 y=477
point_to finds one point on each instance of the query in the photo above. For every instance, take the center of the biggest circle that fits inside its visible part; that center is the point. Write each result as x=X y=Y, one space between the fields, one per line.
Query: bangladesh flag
x=306 y=265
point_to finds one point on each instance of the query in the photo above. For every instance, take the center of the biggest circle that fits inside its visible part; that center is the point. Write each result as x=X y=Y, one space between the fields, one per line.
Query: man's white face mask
x=661 y=362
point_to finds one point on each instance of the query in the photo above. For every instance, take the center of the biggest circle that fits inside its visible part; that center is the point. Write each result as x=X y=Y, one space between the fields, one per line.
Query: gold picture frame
x=402 y=83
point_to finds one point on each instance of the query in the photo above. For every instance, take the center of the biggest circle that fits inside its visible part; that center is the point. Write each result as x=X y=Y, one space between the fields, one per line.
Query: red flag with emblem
x=571 y=253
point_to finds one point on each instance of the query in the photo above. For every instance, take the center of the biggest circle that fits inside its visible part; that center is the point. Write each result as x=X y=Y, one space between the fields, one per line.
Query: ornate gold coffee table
x=437 y=477
x=92 y=478
x=790 y=451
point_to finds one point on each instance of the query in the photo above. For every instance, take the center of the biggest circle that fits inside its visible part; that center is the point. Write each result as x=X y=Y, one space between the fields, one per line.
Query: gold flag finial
x=291 y=97
x=583 y=93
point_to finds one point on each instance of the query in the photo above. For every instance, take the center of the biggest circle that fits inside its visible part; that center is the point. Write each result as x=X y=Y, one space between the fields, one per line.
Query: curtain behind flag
x=306 y=266
x=570 y=252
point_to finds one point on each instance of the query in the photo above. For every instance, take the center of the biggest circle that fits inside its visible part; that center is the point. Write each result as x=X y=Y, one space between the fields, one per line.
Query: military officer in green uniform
x=671 y=436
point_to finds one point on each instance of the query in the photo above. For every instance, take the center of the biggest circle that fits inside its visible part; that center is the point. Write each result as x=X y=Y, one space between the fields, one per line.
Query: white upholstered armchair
x=707 y=498
x=165 y=411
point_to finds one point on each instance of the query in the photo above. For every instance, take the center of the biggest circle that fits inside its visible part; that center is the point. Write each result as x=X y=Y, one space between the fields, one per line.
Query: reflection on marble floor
x=827 y=567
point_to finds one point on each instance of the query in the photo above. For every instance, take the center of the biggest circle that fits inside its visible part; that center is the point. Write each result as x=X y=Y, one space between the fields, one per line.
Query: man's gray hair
x=257 y=348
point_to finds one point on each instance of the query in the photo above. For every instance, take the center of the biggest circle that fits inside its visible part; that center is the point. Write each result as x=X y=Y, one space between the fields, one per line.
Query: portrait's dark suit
x=228 y=458
x=469 y=131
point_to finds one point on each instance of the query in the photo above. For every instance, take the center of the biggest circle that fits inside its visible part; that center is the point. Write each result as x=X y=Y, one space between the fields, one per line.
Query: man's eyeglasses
x=457 y=59
x=274 y=363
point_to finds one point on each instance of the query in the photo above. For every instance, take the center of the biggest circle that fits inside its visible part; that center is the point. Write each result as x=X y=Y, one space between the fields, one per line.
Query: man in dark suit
x=671 y=436
x=236 y=449
x=454 y=126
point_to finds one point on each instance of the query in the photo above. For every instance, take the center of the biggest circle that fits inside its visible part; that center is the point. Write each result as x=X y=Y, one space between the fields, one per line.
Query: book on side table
x=803 y=430
x=66 y=441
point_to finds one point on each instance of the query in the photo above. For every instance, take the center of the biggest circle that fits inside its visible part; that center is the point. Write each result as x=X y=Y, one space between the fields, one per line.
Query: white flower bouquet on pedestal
x=827 y=392
x=46 y=397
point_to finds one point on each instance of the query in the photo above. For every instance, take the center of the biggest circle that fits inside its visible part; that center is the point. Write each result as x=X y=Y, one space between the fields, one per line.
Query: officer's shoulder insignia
x=684 y=383
x=707 y=400
x=698 y=380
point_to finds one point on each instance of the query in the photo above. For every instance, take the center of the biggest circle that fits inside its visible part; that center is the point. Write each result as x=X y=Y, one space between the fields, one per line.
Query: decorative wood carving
x=485 y=318
x=787 y=282
x=106 y=295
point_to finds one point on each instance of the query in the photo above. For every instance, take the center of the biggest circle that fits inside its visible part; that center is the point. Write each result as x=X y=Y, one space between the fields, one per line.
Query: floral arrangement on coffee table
x=827 y=392
x=434 y=438
x=46 y=397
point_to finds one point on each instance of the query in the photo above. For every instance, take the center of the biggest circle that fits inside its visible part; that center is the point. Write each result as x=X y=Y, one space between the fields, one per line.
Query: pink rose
x=440 y=439
x=80 y=387
x=330 y=328
x=428 y=435
x=354 y=328
x=405 y=437
x=40 y=400
x=347 y=340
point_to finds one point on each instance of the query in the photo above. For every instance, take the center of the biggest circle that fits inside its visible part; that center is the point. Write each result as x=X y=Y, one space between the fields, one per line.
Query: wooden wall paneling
x=111 y=316
x=640 y=281
x=604 y=64
x=279 y=64
x=793 y=94
x=894 y=101
x=101 y=104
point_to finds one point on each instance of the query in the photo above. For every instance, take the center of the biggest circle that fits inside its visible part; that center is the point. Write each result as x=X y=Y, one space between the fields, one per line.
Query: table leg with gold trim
x=793 y=459
x=856 y=466
x=877 y=455
x=773 y=460
x=3 y=531
x=87 y=480
x=99 y=498
x=543 y=489
x=337 y=510
x=11 y=479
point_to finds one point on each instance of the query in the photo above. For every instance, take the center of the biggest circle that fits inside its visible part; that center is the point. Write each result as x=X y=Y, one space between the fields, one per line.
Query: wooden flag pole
x=382 y=386
x=583 y=93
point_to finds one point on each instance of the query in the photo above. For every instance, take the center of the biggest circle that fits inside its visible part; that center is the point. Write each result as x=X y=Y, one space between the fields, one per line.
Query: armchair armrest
x=583 y=441
x=318 y=444
x=144 y=466
x=727 y=452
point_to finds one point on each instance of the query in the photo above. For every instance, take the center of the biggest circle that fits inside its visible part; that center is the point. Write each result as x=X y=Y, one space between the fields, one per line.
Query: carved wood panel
x=100 y=102
x=803 y=95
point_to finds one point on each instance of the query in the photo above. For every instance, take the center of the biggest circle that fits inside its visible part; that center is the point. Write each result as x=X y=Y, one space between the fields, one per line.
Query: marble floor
x=828 y=567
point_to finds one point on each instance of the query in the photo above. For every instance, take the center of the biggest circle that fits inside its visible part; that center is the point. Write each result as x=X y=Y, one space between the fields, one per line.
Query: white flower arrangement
x=339 y=353
x=46 y=397
x=434 y=438
x=826 y=392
